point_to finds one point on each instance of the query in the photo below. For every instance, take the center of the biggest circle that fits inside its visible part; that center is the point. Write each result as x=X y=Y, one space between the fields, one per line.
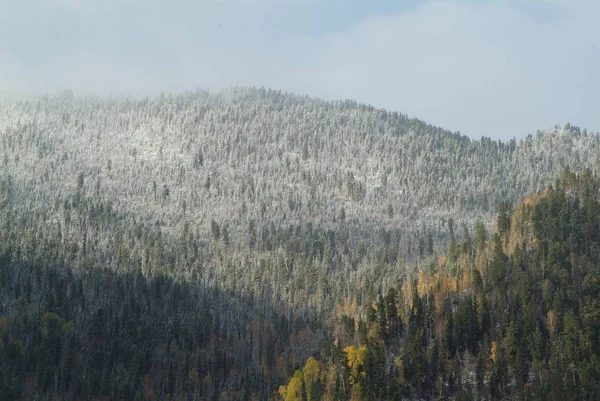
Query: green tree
x=215 y=230
x=480 y=235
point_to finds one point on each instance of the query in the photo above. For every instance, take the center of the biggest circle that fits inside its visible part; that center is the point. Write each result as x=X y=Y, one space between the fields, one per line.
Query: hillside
x=254 y=154
x=512 y=317
x=251 y=216
x=269 y=172
x=247 y=167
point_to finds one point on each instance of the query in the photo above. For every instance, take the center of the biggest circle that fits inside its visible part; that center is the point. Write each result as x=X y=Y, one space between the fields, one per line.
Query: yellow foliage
x=494 y=351
x=353 y=308
x=355 y=359
x=312 y=375
x=408 y=291
x=465 y=280
x=282 y=392
x=373 y=331
x=350 y=355
x=361 y=355
x=295 y=387
x=350 y=309
x=424 y=283
x=311 y=370
x=448 y=286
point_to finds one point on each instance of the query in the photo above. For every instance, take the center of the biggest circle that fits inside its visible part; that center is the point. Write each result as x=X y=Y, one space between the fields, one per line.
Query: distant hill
x=260 y=154
x=247 y=165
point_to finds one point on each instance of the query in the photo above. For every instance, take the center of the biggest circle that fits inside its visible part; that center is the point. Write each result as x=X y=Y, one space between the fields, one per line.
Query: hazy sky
x=487 y=68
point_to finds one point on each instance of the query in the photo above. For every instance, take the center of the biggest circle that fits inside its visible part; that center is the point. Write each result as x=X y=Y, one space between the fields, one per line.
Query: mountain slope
x=252 y=154
x=516 y=318
x=274 y=212
x=266 y=172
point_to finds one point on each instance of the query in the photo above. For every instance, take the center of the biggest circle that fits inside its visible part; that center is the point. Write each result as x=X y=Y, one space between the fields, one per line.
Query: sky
x=499 y=69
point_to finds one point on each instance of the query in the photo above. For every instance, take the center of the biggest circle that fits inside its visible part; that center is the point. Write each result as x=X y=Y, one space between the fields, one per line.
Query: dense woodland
x=338 y=193
x=512 y=316
x=208 y=245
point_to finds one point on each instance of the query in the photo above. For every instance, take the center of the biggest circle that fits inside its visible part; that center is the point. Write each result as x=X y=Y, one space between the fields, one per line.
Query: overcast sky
x=486 y=68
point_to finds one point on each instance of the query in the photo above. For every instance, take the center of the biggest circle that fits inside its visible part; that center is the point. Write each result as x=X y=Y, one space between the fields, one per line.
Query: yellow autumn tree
x=494 y=351
x=356 y=360
x=350 y=356
x=294 y=389
x=282 y=392
x=312 y=379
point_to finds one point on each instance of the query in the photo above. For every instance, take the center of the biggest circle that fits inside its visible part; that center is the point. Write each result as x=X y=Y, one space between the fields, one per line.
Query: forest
x=255 y=244
x=515 y=315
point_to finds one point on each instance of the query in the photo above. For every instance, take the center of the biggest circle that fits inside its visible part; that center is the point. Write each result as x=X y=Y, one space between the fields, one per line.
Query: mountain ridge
x=299 y=207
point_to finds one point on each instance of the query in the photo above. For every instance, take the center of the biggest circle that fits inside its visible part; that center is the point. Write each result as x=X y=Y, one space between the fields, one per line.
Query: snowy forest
x=207 y=245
